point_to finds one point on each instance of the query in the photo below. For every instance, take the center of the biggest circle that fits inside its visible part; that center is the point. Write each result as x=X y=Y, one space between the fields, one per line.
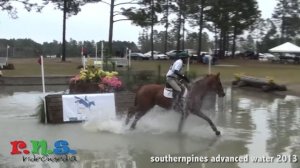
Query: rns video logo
x=61 y=151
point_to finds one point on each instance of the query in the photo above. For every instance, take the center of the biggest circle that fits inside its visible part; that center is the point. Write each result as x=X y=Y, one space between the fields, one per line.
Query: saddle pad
x=168 y=92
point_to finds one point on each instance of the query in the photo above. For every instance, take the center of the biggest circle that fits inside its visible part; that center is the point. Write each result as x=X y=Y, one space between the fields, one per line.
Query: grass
x=53 y=67
x=281 y=73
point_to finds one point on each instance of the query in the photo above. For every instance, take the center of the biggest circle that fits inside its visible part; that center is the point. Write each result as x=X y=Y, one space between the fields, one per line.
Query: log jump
x=264 y=83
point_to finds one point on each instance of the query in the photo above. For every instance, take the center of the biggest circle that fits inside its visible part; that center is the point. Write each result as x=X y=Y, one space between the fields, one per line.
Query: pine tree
x=6 y=5
x=232 y=17
x=287 y=15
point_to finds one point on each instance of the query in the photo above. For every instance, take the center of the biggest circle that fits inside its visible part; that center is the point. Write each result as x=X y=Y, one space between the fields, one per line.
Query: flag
x=8 y=46
x=84 y=51
x=39 y=61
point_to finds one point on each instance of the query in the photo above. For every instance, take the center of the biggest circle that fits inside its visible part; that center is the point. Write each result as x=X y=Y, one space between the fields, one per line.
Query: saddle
x=168 y=91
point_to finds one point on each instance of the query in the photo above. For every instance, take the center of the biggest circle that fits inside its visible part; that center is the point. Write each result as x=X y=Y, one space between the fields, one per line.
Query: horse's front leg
x=212 y=125
x=184 y=115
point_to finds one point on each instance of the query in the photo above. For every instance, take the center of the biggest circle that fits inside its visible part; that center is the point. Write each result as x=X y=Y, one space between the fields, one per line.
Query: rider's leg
x=176 y=105
x=176 y=89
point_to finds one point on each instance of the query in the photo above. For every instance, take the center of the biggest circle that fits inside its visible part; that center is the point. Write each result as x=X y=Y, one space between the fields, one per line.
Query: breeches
x=174 y=84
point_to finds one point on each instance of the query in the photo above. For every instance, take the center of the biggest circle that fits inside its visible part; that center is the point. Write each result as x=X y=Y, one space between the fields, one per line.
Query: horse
x=149 y=95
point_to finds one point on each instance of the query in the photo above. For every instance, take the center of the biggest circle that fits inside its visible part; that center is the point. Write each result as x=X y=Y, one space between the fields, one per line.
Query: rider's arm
x=177 y=66
x=178 y=73
x=181 y=76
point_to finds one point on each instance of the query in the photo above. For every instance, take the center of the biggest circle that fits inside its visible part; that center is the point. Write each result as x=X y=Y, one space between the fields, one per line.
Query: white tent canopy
x=286 y=48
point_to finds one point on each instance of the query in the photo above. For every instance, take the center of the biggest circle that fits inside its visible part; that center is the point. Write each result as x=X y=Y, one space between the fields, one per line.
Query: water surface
x=253 y=124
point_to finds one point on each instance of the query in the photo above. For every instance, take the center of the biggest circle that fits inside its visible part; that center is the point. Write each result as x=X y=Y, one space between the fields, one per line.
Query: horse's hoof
x=218 y=133
x=132 y=128
x=126 y=122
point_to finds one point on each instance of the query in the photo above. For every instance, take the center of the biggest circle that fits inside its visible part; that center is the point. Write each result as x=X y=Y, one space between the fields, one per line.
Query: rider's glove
x=186 y=79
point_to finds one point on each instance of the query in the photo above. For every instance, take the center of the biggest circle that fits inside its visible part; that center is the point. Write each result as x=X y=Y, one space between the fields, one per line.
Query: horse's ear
x=218 y=74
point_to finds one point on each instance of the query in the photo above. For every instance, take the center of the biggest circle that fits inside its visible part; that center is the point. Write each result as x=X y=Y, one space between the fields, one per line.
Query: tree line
x=29 y=48
x=160 y=43
x=228 y=20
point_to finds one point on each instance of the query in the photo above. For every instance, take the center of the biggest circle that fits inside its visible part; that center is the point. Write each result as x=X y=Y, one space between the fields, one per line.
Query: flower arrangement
x=107 y=81
x=110 y=84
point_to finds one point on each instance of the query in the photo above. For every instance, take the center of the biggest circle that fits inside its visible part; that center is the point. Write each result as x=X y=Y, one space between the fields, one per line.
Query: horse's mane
x=201 y=81
x=197 y=79
x=201 y=78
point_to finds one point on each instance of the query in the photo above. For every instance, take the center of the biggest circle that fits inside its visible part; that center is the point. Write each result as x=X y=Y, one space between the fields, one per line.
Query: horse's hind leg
x=212 y=125
x=130 y=113
x=138 y=116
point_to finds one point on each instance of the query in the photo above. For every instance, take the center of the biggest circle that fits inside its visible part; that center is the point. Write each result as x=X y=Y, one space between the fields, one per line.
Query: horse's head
x=216 y=85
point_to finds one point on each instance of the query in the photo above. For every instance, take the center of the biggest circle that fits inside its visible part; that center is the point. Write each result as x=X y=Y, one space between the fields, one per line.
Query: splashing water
x=156 y=121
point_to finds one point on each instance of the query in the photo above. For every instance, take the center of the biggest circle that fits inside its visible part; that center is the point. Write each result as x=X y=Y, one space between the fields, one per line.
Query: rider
x=174 y=75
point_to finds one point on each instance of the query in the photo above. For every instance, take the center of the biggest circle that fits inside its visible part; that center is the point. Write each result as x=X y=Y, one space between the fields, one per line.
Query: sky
x=91 y=23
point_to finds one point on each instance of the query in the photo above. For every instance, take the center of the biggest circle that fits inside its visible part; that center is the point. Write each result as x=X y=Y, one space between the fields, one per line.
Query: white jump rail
x=120 y=62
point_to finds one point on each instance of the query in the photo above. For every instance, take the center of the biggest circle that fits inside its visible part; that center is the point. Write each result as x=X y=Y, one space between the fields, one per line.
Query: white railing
x=98 y=62
x=120 y=61
x=3 y=62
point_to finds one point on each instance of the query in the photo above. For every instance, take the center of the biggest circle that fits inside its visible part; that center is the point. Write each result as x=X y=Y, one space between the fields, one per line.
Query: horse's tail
x=136 y=88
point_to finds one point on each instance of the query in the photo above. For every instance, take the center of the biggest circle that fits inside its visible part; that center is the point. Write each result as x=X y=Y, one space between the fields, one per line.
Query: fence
x=54 y=106
x=119 y=62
